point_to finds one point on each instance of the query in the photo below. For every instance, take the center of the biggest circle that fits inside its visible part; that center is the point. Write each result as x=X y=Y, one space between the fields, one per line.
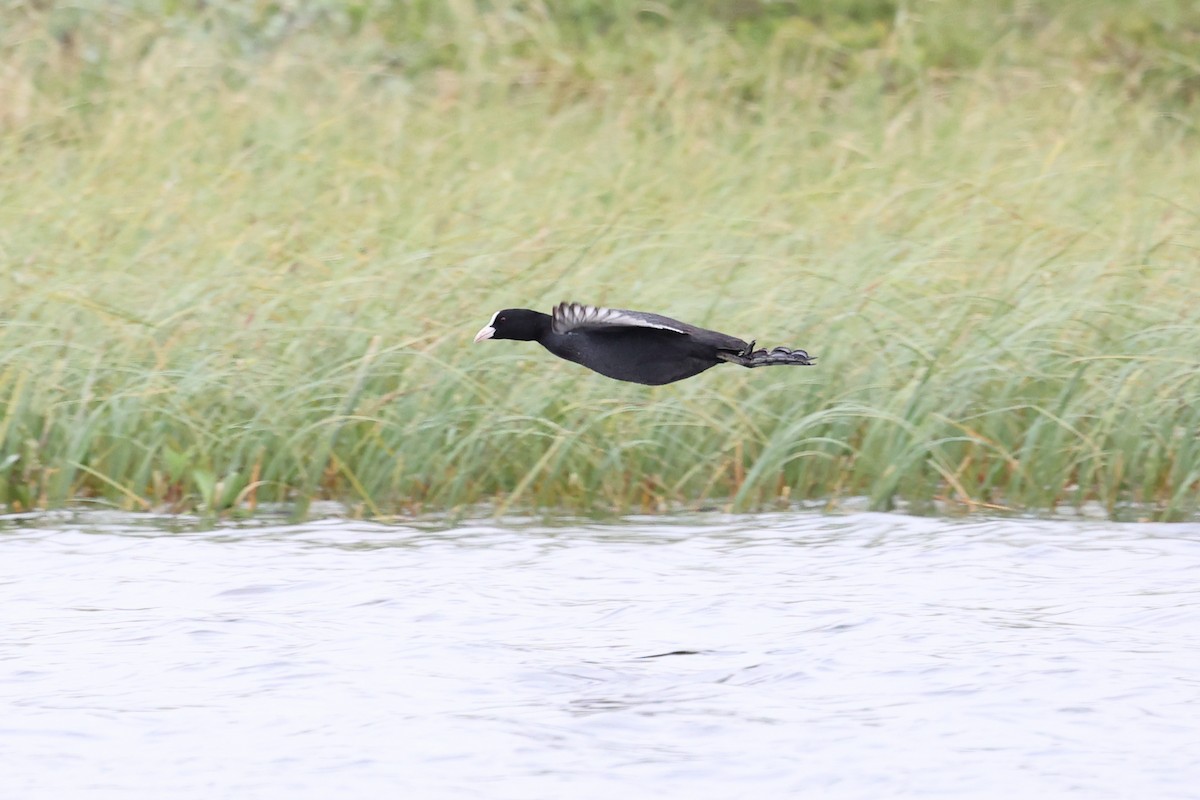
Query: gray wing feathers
x=567 y=317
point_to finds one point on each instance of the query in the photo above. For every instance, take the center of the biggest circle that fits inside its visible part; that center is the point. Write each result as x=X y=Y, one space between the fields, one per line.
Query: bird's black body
x=632 y=345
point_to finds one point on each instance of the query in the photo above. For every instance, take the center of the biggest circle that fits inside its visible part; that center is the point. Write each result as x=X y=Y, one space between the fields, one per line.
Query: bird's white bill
x=485 y=333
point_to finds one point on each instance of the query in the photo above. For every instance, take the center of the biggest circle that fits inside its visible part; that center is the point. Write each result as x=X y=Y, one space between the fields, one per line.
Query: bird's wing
x=567 y=317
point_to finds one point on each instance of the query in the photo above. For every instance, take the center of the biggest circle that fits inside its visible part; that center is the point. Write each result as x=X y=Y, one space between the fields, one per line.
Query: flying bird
x=632 y=346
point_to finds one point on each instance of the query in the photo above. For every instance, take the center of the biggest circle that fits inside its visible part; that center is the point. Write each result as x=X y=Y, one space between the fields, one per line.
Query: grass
x=244 y=249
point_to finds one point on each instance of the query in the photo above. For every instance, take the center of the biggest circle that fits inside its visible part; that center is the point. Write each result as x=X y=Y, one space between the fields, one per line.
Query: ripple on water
x=774 y=655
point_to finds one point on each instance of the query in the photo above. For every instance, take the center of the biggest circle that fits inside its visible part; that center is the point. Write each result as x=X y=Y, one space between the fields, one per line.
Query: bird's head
x=521 y=324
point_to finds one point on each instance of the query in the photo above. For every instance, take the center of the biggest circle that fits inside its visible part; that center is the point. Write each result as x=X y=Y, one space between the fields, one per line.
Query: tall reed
x=245 y=246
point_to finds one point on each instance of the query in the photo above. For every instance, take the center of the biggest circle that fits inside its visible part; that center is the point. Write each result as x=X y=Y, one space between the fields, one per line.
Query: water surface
x=791 y=655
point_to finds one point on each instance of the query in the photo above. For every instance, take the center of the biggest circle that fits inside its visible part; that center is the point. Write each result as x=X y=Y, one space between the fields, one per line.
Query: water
x=770 y=656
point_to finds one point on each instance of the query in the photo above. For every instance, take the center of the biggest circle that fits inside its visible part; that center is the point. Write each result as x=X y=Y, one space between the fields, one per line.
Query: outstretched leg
x=776 y=356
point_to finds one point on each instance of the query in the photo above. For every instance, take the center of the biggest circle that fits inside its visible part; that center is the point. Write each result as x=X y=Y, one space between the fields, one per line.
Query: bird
x=633 y=346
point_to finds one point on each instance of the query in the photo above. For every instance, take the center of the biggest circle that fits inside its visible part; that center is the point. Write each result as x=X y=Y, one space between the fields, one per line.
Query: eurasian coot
x=632 y=345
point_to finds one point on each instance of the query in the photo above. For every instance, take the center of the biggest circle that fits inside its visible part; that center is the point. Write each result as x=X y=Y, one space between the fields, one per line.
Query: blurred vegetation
x=244 y=246
x=1153 y=45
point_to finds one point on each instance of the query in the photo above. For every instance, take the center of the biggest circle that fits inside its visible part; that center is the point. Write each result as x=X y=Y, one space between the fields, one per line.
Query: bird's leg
x=778 y=355
x=742 y=356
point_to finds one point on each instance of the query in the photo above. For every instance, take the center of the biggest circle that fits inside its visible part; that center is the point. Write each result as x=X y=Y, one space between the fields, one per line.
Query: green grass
x=243 y=251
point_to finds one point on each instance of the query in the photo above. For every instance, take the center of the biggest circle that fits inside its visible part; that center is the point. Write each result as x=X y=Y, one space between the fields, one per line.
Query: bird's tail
x=769 y=358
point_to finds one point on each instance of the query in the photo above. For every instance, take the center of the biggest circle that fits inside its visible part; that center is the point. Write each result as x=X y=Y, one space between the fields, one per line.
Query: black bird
x=632 y=345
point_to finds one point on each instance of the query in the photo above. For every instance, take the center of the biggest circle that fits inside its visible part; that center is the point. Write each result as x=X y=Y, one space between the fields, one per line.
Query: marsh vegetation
x=245 y=247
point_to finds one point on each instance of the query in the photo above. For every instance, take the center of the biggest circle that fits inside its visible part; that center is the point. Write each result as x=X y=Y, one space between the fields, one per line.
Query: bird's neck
x=541 y=327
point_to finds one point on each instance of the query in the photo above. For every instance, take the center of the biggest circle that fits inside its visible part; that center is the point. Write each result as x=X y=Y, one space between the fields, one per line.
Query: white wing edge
x=567 y=317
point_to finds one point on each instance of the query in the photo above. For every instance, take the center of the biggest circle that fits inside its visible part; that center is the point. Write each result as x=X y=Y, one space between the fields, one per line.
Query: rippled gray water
x=768 y=656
